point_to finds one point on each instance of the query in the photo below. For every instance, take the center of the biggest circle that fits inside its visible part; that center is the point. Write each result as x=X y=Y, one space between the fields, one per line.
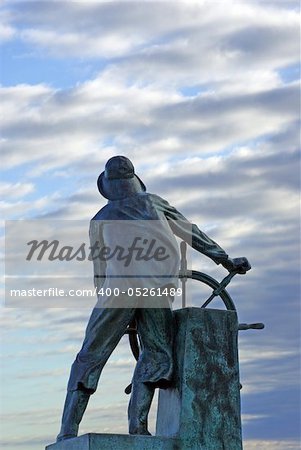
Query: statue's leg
x=104 y=330
x=139 y=406
x=155 y=364
x=75 y=405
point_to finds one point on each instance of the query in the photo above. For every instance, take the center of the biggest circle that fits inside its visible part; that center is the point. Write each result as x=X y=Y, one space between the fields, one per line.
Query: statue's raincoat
x=147 y=217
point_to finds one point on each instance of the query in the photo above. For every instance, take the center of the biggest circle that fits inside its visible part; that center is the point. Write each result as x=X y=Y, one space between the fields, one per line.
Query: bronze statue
x=129 y=201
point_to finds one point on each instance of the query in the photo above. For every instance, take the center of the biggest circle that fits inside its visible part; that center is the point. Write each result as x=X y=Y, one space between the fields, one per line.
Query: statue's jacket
x=147 y=217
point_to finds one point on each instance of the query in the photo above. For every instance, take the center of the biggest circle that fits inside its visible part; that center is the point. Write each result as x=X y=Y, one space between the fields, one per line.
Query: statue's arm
x=190 y=233
x=96 y=242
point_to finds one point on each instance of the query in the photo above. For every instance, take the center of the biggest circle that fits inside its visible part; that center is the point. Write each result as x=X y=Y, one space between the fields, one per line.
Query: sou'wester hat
x=119 y=179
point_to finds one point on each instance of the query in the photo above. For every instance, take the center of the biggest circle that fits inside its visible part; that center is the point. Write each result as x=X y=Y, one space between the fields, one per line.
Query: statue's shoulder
x=156 y=198
x=158 y=201
x=103 y=213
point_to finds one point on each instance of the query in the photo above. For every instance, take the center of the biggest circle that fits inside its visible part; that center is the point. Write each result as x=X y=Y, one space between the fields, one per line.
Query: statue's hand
x=240 y=265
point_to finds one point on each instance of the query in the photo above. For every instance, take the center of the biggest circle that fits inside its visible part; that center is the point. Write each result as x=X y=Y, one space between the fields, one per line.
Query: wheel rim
x=211 y=282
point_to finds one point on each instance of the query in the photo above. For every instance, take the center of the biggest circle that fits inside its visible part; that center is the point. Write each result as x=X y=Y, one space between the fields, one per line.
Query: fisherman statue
x=150 y=216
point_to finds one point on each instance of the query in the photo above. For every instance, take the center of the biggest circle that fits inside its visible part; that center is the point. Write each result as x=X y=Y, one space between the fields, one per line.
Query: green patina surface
x=203 y=408
x=94 y=441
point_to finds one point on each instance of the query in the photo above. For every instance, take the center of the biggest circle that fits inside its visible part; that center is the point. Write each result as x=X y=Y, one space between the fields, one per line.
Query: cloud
x=136 y=102
x=12 y=209
x=270 y=445
x=201 y=97
x=108 y=29
x=7 y=31
x=12 y=190
x=67 y=129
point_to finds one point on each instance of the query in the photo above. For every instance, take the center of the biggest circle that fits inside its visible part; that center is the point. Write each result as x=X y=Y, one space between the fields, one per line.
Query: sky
x=204 y=98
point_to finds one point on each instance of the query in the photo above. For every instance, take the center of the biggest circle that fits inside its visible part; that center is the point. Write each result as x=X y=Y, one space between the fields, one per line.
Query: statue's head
x=119 y=180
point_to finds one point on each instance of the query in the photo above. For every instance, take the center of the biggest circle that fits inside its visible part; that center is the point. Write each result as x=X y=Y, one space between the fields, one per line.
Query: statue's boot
x=139 y=406
x=75 y=405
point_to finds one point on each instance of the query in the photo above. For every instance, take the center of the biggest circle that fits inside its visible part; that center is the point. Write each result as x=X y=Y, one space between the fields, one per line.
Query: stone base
x=202 y=409
x=93 y=441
